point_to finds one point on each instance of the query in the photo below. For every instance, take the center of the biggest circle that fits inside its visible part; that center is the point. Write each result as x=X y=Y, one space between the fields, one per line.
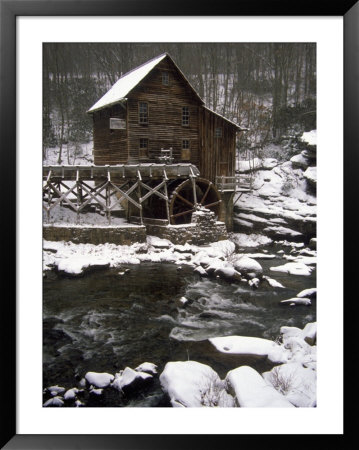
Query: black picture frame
x=9 y=10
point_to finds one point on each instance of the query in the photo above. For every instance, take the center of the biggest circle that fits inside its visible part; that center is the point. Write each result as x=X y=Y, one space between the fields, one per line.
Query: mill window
x=218 y=132
x=185 y=116
x=143 y=113
x=165 y=78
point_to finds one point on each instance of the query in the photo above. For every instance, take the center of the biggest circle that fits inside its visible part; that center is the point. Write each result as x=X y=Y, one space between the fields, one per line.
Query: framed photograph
x=166 y=288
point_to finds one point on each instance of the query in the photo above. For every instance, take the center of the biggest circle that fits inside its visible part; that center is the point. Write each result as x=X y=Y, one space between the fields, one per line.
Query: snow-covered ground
x=217 y=259
x=282 y=203
x=83 y=156
x=64 y=216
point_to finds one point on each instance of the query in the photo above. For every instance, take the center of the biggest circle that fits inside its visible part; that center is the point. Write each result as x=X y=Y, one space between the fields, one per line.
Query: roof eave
x=93 y=110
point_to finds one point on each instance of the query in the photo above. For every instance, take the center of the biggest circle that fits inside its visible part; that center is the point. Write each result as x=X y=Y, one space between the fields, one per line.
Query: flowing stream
x=105 y=321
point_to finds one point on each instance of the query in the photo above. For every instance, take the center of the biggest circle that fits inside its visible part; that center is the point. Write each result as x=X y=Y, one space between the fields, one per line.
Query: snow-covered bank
x=283 y=202
x=222 y=259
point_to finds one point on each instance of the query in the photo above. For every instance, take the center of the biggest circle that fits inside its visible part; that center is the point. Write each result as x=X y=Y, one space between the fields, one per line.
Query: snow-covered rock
x=248 y=266
x=311 y=175
x=254 y=282
x=100 y=380
x=295 y=382
x=70 y=394
x=250 y=346
x=192 y=384
x=251 y=390
x=222 y=248
x=54 y=401
x=157 y=242
x=281 y=232
x=309 y=137
x=299 y=161
x=55 y=390
x=96 y=391
x=298 y=350
x=294 y=268
x=308 y=293
x=201 y=271
x=309 y=333
x=130 y=379
x=260 y=255
x=257 y=163
x=147 y=367
x=272 y=282
x=227 y=271
x=250 y=240
x=182 y=302
x=297 y=301
x=78 y=264
x=313 y=244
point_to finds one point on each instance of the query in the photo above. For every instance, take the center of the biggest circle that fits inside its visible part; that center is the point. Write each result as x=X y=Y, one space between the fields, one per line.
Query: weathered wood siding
x=164 y=128
x=110 y=146
x=212 y=155
x=217 y=154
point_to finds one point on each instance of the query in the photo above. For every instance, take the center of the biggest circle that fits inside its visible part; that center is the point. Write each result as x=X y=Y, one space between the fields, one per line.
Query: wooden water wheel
x=189 y=195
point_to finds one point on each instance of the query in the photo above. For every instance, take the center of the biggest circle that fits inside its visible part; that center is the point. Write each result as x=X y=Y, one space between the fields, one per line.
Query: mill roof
x=129 y=81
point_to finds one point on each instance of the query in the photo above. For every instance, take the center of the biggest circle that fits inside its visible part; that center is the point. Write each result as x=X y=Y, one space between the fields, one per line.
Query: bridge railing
x=233 y=184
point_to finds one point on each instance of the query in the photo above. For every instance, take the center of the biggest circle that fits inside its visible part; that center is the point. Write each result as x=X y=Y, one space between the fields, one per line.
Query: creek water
x=105 y=321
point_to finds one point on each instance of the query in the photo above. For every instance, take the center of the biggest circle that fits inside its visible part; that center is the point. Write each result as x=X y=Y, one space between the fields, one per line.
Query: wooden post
x=108 y=202
x=139 y=179
x=78 y=189
x=166 y=194
x=108 y=197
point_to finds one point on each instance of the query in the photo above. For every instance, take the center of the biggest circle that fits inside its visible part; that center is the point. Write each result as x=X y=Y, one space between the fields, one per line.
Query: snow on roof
x=130 y=80
x=225 y=118
x=126 y=83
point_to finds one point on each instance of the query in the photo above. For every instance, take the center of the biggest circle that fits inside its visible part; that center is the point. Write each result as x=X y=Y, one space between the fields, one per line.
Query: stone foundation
x=203 y=230
x=95 y=235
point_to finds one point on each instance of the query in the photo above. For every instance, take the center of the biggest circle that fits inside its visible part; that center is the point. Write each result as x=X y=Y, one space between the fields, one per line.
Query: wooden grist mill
x=159 y=153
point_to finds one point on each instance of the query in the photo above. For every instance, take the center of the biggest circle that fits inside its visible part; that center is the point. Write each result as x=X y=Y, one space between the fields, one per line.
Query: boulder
x=254 y=283
x=253 y=347
x=313 y=244
x=309 y=138
x=99 y=380
x=228 y=272
x=309 y=333
x=248 y=266
x=295 y=382
x=273 y=283
x=300 y=161
x=147 y=367
x=192 y=384
x=294 y=268
x=55 y=390
x=311 y=176
x=70 y=394
x=297 y=301
x=182 y=302
x=251 y=390
x=201 y=271
x=308 y=293
x=54 y=401
x=130 y=380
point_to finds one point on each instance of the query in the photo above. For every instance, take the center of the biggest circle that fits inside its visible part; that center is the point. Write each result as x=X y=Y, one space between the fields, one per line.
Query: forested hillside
x=269 y=88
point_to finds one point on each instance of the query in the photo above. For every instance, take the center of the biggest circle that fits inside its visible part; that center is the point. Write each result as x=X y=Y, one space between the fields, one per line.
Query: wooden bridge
x=163 y=193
